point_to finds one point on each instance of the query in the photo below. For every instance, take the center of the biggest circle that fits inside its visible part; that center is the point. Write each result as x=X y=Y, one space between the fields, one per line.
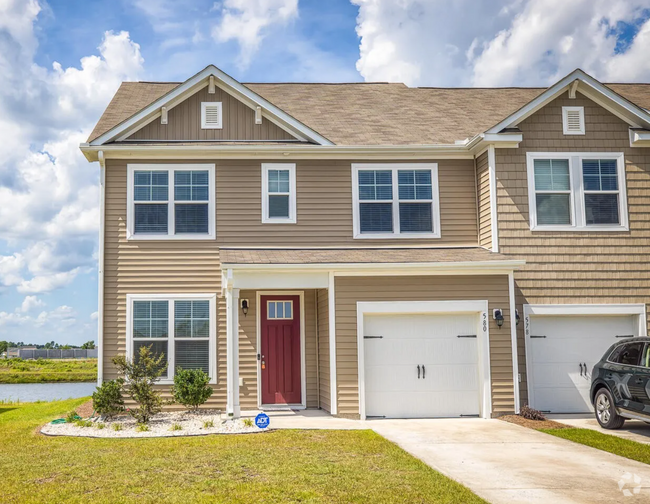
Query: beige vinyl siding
x=483 y=201
x=184 y=122
x=323 y=350
x=148 y=267
x=324 y=206
x=350 y=290
x=248 y=350
x=578 y=267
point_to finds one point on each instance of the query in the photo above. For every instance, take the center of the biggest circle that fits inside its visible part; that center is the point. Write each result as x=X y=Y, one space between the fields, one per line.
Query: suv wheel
x=606 y=412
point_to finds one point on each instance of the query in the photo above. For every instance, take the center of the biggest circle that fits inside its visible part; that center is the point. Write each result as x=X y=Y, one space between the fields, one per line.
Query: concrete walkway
x=501 y=462
x=633 y=430
x=505 y=463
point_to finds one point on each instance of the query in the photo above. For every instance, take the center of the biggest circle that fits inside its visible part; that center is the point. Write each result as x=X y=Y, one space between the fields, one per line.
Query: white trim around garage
x=431 y=307
x=638 y=309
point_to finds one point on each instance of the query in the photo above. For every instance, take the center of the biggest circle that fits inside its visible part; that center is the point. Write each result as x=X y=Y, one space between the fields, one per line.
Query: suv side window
x=628 y=355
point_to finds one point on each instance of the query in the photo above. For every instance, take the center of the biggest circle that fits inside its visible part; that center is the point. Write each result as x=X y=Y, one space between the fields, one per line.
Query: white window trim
x=212 y=298
x=204 y=125
x=171 y=215
x=577 y=201
x=292 y=219
x=565 y=122
x=395 y=167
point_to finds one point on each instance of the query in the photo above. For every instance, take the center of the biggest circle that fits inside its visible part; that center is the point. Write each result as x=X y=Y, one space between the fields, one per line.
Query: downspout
x=100 y=268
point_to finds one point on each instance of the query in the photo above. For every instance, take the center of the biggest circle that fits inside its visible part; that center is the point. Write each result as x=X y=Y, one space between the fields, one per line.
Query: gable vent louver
x=573 y=119
x=211 y=115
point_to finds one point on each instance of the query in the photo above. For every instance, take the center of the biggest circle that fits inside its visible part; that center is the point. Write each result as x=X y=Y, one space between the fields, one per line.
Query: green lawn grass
x=47 y=370
x=282 y=466
x=606 y=442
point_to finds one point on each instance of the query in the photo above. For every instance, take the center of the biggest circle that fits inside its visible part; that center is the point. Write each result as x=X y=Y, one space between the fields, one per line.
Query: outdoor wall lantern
x=497 y=314
x=244 y=306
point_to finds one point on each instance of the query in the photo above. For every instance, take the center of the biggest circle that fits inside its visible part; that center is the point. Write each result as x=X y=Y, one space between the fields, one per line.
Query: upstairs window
x=577 y=192
x=170 y=202
x=396 y=201
x=279 y=193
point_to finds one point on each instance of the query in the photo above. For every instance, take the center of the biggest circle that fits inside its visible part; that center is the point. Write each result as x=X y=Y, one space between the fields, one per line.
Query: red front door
x=280 y=352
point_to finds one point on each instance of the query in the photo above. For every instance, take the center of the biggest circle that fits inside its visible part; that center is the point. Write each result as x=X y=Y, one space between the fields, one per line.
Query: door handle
x=423 y=371
x=581 y=369
x=418 y=371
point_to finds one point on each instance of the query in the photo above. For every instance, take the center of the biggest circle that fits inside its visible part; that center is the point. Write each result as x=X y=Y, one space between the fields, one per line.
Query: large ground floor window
x=182 y=328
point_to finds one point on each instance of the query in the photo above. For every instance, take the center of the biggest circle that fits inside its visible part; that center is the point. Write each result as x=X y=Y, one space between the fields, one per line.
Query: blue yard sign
x=262 y=420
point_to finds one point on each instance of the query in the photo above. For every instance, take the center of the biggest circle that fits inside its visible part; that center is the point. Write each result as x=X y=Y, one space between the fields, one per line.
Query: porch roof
x=365 y=256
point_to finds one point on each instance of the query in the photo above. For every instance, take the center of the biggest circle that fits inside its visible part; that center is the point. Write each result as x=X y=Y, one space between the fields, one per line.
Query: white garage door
x=557 y=345
x=448 y=383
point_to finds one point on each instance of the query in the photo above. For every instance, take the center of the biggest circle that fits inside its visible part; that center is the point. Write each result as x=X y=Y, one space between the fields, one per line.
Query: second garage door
x=421 y=366
x=562 y=351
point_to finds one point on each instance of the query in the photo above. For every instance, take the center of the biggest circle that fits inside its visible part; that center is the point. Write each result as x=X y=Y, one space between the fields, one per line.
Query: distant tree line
x=5 y=345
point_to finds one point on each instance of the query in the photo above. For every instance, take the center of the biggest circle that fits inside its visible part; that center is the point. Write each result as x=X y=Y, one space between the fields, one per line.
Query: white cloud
x=500 y=43
x=49 y=213
x=94 y=315
x=248 y=21
x=30 y=303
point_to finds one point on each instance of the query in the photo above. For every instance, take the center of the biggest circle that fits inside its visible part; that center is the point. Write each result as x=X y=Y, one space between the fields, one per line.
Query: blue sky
x=62 y=60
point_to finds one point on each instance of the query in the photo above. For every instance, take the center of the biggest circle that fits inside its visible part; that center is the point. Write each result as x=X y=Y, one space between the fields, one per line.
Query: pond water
x=30 y=392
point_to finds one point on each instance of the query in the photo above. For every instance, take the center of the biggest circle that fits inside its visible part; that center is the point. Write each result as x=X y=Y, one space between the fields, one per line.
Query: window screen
x=191 y=196
x=376 y=186
x=278 y=193
x=600 y=177
x=150 y=193
x=552 y=191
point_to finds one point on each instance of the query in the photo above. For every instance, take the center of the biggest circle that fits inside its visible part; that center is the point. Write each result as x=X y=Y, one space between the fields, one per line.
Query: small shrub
x=141 y=374
x=176 y=426
x=191 y=388
x=72 y=417
x=531 y=414
x=100 y=425
x=83 y=423
x=142 y=427
x=117 y=427
x=108 y=400
x=248 y=422
x=208 y=424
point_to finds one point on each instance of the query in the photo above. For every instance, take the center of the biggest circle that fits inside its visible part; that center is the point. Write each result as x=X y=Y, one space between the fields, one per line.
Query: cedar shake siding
x=238 y=122
x=350 y=290
x=574 y=267
x=483 y=201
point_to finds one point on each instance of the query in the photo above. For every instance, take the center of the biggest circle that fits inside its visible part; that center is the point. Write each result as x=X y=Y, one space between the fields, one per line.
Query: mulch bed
x=534 y=424
x=85 y=409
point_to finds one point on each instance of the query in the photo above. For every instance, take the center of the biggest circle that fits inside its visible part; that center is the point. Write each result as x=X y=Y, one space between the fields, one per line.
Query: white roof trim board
x=635 y=116
x=229 y=85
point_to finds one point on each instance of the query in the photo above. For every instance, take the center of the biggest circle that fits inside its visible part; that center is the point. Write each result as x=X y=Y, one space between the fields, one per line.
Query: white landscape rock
x=161 y=425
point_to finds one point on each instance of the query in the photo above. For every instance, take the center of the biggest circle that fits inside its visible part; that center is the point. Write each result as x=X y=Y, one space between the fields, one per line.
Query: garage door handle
x=418 y=371
x=423 y=370
x=466 y=336
x=625 y=335
x=537 y=336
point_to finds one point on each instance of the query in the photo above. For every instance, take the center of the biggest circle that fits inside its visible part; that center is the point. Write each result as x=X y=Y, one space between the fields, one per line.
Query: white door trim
x=638 y=309
x=303 y=364
x=431 y=307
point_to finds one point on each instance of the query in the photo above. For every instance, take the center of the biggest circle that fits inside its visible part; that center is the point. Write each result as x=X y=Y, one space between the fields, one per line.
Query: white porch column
x=232 y=351
x=331 y=298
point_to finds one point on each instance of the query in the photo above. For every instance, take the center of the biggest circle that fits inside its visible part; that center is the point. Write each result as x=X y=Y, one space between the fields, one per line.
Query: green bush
x=142 y=427
x=108 y=400
x=140 y=376
x=72 y=417
x=191 y=388
x=100 y=425
x=117 y=427
x=176 y=426
x=248 y=422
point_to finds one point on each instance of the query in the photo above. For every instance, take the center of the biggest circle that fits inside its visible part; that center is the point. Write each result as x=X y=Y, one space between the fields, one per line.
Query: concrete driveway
x=633 y=430
x=505 y=463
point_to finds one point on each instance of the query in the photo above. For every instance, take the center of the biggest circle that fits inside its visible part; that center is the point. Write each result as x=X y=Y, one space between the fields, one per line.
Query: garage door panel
x=570 y=340
x=450 y=384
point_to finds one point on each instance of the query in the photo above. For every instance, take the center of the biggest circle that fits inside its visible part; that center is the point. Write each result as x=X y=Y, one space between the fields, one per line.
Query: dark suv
x=620 y=383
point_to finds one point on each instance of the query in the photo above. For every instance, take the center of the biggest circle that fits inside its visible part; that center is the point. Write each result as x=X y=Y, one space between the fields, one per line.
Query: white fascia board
x=639 y=138
x=591 y=88
x=474 y=266
x=193 y=84
x=270 y=151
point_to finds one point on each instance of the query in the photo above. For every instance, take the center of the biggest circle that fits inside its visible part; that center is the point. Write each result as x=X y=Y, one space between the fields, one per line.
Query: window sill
x=185 y=237
x=167 y=381
x=587 y=229
x=393 y=236
x=278 y=221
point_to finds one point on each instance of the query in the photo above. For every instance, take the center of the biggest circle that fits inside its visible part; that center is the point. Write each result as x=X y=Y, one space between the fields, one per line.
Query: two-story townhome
x=371 y=249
